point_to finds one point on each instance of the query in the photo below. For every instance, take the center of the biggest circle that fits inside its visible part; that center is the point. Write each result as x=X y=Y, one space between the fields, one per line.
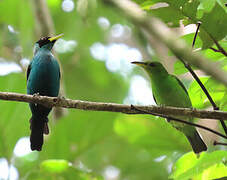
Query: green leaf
x=54 y=165
x=189 y=39
x=223 y=105
x=186 y=162
x=208 y=13
x=14 y=117
x=218 y=31
x=216 y=171
x=198 y=97
x=145 y=132
x=168 y=15
x=179 y=68
x=208 y=164
x=205 y=6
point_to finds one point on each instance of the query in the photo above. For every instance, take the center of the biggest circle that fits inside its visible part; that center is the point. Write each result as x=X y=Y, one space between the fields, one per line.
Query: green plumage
x=168 y=90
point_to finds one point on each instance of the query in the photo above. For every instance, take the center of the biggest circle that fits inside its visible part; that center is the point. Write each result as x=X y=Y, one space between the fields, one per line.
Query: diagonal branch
x=215 y=107
x=220 y=48
x=111 y=107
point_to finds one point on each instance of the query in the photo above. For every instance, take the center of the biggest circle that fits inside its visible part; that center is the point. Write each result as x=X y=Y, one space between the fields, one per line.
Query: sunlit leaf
x=208 y=164
x=54 y=165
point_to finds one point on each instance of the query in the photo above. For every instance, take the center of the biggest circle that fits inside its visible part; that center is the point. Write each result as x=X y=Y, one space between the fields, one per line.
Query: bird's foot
x=36 y=94
x=58 y=98
x=61 y=97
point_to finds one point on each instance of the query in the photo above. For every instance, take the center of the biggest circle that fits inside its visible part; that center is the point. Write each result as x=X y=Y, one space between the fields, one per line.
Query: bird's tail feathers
x=38 y=127
x=196 y=142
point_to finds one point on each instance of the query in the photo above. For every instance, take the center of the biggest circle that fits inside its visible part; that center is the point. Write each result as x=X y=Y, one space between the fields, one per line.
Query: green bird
x=43 y=78
x=168 y=90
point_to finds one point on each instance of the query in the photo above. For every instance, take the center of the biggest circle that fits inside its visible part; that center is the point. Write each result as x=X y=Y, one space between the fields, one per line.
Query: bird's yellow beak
x=55 y=37
x=143 y=64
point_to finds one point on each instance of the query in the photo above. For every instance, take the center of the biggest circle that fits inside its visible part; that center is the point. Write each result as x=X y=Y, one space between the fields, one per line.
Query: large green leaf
x=206 y=12
x=145 y=132
x=198 y=97
x=207 y=166
x=14 y=116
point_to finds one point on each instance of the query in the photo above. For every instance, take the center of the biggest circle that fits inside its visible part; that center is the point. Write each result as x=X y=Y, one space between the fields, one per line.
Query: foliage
x=89 y=145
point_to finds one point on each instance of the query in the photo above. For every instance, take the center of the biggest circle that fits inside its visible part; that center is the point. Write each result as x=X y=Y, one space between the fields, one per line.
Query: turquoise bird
x=168 y=90
x=43 y=78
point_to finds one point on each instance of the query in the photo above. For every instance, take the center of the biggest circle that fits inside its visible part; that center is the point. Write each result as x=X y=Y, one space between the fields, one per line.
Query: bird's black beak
x=55 y=38
x=138 y=63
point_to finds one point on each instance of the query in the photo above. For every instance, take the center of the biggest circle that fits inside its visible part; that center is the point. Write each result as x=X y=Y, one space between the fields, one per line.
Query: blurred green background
x=95 y=54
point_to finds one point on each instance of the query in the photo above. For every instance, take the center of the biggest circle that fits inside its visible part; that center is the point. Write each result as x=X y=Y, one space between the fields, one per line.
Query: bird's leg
x=61 y=97
x=36 y=95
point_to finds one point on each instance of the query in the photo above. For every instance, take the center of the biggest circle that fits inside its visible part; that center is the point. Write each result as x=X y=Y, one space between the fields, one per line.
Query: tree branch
x=160 y=31
x=220 y=48
x=111 y=107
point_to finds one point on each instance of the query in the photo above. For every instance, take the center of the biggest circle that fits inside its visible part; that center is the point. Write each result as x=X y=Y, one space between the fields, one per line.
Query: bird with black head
x=43 y=78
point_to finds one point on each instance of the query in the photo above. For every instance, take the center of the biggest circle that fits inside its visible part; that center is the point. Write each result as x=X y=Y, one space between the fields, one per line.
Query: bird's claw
x=36 y=94
x=61 y=97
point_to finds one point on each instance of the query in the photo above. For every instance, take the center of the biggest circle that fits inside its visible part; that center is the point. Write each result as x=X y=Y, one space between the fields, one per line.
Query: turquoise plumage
x=43 y=78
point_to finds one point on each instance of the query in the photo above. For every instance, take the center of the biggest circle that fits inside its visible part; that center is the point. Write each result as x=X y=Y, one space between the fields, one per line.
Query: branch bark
x=111 y=107
x=160 y=31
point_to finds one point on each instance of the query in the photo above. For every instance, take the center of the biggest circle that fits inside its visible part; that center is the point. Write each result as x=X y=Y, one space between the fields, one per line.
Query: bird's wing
x=28 y=70
x=181 y=84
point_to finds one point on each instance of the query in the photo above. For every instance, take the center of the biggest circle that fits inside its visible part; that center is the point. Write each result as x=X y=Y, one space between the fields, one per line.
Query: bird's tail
x=38 y=127
x=196 y=142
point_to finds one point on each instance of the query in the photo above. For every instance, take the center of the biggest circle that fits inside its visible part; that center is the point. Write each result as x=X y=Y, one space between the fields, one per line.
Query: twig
x=161 y=32
x=44 y=22
x=181 y=121
x=196 y=33
x=221 y=49
x=215 y=50
x=219 y=143
x=111 y=107
x=201 y=84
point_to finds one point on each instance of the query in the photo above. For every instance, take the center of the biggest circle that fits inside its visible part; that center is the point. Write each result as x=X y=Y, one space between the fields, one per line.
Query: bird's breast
x=44 y=76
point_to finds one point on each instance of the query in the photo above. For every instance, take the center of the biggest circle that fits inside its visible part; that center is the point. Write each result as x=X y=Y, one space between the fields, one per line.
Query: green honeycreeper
x=43 y=78
x=168 y=90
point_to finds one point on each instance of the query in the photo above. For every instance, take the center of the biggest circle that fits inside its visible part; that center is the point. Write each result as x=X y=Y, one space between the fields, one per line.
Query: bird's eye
x=43 y=41
x=152 y=64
